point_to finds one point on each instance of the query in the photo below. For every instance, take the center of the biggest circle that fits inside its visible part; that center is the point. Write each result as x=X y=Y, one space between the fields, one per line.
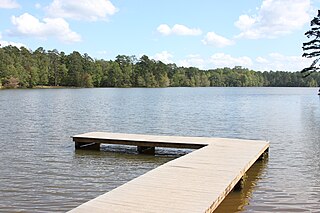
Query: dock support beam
x=240 y=185
x=264 y=155
x=146 y=150
x=87 y=146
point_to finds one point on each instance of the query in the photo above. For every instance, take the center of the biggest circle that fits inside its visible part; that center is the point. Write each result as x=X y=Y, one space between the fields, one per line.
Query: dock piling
x=146 y=150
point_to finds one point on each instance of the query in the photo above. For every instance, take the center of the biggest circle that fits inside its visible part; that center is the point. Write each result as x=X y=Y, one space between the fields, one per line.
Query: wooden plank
x=140 y=140
x=146 y=140
x=196 y=182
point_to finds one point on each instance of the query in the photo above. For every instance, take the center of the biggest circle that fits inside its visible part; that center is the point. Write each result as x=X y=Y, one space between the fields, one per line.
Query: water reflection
x=36 y=125
x=236 y=201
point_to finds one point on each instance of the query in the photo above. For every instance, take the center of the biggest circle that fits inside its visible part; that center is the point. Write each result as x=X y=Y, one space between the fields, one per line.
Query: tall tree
x=53 y=74
x=30 y=70
x=126 y=66
x=312 y=48
x=42 y=63
x=75 y=69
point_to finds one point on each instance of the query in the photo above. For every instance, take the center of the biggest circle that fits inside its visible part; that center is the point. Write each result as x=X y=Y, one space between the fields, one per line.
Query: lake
x=41 y=172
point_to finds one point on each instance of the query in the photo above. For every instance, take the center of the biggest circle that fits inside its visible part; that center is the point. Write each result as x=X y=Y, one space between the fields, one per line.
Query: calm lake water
x=41 y=172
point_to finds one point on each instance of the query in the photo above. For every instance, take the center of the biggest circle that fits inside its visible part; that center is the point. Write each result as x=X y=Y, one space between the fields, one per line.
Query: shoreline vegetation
x=23 y=68
x=66 y=87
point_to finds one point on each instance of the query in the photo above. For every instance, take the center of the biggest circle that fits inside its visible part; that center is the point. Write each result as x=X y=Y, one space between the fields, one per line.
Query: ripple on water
x=41 y=172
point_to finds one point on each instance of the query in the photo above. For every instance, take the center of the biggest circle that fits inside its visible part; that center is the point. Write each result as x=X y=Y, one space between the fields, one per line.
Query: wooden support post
x=240 y=185
x=146 y=150
x=87 y=146
x=264 y=155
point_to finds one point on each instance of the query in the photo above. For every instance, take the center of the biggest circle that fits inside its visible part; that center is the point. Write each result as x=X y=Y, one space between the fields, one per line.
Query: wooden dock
x=196 y=182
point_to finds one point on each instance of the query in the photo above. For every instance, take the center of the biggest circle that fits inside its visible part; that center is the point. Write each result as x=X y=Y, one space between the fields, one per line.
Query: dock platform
x=196 y=182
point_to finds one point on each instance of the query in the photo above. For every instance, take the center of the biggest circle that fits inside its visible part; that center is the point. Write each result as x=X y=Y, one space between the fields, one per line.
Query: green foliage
x=24 y=68
x=311 y=48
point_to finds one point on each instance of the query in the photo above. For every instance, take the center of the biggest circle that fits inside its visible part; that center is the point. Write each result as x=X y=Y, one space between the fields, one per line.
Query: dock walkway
x=196 y=182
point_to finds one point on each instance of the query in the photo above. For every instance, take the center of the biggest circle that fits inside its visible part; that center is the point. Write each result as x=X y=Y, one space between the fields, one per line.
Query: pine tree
x=312 y=48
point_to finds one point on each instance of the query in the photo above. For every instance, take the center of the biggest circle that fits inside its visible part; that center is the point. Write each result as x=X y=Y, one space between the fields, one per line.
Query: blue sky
x=256 y=34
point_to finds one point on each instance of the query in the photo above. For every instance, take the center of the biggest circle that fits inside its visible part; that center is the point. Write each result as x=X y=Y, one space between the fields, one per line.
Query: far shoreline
x=72 y=87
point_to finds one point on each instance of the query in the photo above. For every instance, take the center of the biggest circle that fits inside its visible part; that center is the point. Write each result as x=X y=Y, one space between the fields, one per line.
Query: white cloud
x=164 y=29
x=7 y=43
x=193 y=61
x=183 y=30
x=216 y=40
x=164 y=57
x=28 y=25
x=217 y=60
x=272 y=61
x=245 y=22
x=9 y=4
x=4 y=43
x=91 y=10
x=261 y=60
x=225 y=60
x=178 y=29
x=279 y=62
x=274 y=18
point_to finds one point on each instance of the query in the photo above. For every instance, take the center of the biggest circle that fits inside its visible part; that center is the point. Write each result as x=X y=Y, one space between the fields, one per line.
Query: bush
x=11 y=83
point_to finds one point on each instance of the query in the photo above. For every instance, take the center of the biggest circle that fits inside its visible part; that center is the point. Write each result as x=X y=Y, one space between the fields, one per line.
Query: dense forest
x=23 y=68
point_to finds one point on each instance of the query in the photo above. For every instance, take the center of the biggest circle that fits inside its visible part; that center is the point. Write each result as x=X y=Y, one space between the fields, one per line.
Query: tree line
x=23 y=68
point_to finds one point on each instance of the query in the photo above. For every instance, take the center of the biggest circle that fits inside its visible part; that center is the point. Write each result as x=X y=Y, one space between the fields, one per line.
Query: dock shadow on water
x=237 y=200
x=104 y=170
x=170 y=153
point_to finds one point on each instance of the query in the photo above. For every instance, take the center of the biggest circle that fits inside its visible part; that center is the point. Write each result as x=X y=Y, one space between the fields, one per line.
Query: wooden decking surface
x=196 y=182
